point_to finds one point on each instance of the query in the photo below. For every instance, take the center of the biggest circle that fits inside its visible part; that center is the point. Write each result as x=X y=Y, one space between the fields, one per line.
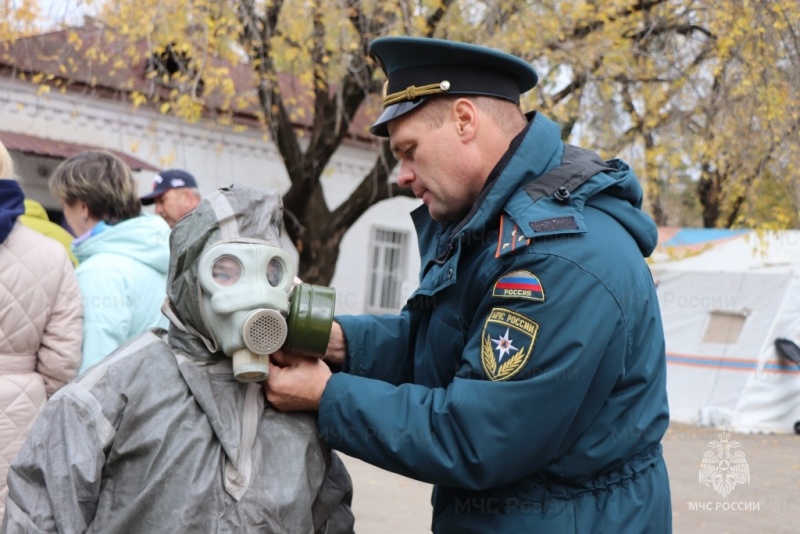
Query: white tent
x=725 y=297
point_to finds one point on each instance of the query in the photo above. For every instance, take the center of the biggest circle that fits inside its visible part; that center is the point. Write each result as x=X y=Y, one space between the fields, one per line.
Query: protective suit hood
x=232 y=213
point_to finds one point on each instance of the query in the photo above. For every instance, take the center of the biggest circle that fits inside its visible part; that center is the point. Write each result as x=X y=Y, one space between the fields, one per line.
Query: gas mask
x=252 y=308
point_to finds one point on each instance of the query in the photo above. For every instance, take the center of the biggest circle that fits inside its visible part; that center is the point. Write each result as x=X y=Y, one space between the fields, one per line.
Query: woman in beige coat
x=41 y=319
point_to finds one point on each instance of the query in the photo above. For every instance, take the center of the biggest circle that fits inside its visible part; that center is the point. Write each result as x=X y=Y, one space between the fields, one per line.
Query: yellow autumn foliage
x=700 y=96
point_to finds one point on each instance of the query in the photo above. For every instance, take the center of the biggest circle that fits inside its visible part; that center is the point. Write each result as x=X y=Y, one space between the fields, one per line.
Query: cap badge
x=413 y=92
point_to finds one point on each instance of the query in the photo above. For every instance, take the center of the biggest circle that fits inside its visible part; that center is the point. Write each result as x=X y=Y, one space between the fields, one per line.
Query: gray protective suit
x=159 y=437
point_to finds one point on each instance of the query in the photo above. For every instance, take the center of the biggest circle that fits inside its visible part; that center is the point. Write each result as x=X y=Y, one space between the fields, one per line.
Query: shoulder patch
x=506 y=343
x=519 y=285
x=510 y=237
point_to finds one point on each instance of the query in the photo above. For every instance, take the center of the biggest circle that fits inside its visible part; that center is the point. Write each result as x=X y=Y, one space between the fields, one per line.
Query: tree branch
x=585 y=30
x=372 y=189
x=749 y=180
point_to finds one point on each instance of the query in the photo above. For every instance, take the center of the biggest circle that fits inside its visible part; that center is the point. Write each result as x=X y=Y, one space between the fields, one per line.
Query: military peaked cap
x=418 y=68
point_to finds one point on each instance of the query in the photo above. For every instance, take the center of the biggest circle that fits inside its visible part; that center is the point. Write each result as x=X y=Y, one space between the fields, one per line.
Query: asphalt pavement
x=764 y=498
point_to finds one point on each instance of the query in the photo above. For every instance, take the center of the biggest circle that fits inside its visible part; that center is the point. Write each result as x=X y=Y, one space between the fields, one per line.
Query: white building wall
x=213 y=153
x=351 y=278
x=216 y=155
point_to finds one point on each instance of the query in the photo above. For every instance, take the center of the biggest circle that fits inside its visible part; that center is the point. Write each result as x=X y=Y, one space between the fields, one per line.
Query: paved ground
x=385 y=503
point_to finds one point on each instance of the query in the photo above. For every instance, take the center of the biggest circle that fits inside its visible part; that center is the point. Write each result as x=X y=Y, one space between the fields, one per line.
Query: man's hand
x=337 y=346
x=295 y=383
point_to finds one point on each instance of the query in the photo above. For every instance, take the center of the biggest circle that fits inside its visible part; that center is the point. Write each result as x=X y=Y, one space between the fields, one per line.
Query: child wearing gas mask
x=171 y=432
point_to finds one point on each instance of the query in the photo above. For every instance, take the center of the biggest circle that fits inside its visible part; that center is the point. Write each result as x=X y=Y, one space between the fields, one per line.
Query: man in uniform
x=525 y=377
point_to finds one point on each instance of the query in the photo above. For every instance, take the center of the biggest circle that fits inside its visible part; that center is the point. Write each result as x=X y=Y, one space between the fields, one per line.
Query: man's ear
x=466 y=118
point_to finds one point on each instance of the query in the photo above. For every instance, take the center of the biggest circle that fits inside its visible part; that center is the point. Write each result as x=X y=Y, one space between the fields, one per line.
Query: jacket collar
x=536 y=150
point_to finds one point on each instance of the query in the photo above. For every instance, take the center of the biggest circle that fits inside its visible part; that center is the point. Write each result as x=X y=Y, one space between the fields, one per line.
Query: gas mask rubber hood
x=235 y=233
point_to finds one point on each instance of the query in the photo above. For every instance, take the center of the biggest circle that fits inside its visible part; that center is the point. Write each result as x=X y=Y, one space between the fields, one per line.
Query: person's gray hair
x=195 y=191
x=102 y=181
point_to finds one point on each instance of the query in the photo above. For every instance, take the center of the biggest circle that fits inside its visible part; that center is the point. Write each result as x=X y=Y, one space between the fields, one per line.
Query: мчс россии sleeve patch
x=506 y=343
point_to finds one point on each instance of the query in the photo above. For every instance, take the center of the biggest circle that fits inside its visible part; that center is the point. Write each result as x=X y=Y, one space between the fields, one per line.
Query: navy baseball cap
x=166 y=180
x=418 y=68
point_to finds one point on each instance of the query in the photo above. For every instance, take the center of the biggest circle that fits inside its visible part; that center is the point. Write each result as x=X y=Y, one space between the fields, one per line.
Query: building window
x=724 y=326
x=387 y=270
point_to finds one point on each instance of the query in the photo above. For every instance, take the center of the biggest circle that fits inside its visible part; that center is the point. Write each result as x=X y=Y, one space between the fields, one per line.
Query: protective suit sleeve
x=106 y=312
x=54 y=482
x=377 y=346
x=478 y=433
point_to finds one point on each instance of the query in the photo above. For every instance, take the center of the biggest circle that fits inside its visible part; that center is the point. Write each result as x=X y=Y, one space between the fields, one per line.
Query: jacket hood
x=621 y=198
x=140 y=238
x=11 y=206
x=36 y=218
x=35 y=210
x=615 y=190
x=232 y=213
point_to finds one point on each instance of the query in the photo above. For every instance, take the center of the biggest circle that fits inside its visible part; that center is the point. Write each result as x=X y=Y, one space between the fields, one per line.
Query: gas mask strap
x=226 y=216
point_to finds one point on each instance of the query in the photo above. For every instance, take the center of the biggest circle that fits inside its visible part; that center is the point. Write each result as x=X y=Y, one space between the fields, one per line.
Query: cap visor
x=149 y=199
x=380 y=128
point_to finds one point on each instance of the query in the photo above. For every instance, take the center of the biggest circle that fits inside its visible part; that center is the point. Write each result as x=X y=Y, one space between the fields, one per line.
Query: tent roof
x=722 y=250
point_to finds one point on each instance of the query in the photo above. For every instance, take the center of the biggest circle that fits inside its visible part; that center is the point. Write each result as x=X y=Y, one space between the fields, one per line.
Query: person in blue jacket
x=525 y=377
x=123 y=252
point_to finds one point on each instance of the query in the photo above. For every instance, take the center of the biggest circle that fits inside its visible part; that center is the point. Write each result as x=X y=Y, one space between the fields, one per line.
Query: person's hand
x=337 y=346
x=295 y=383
